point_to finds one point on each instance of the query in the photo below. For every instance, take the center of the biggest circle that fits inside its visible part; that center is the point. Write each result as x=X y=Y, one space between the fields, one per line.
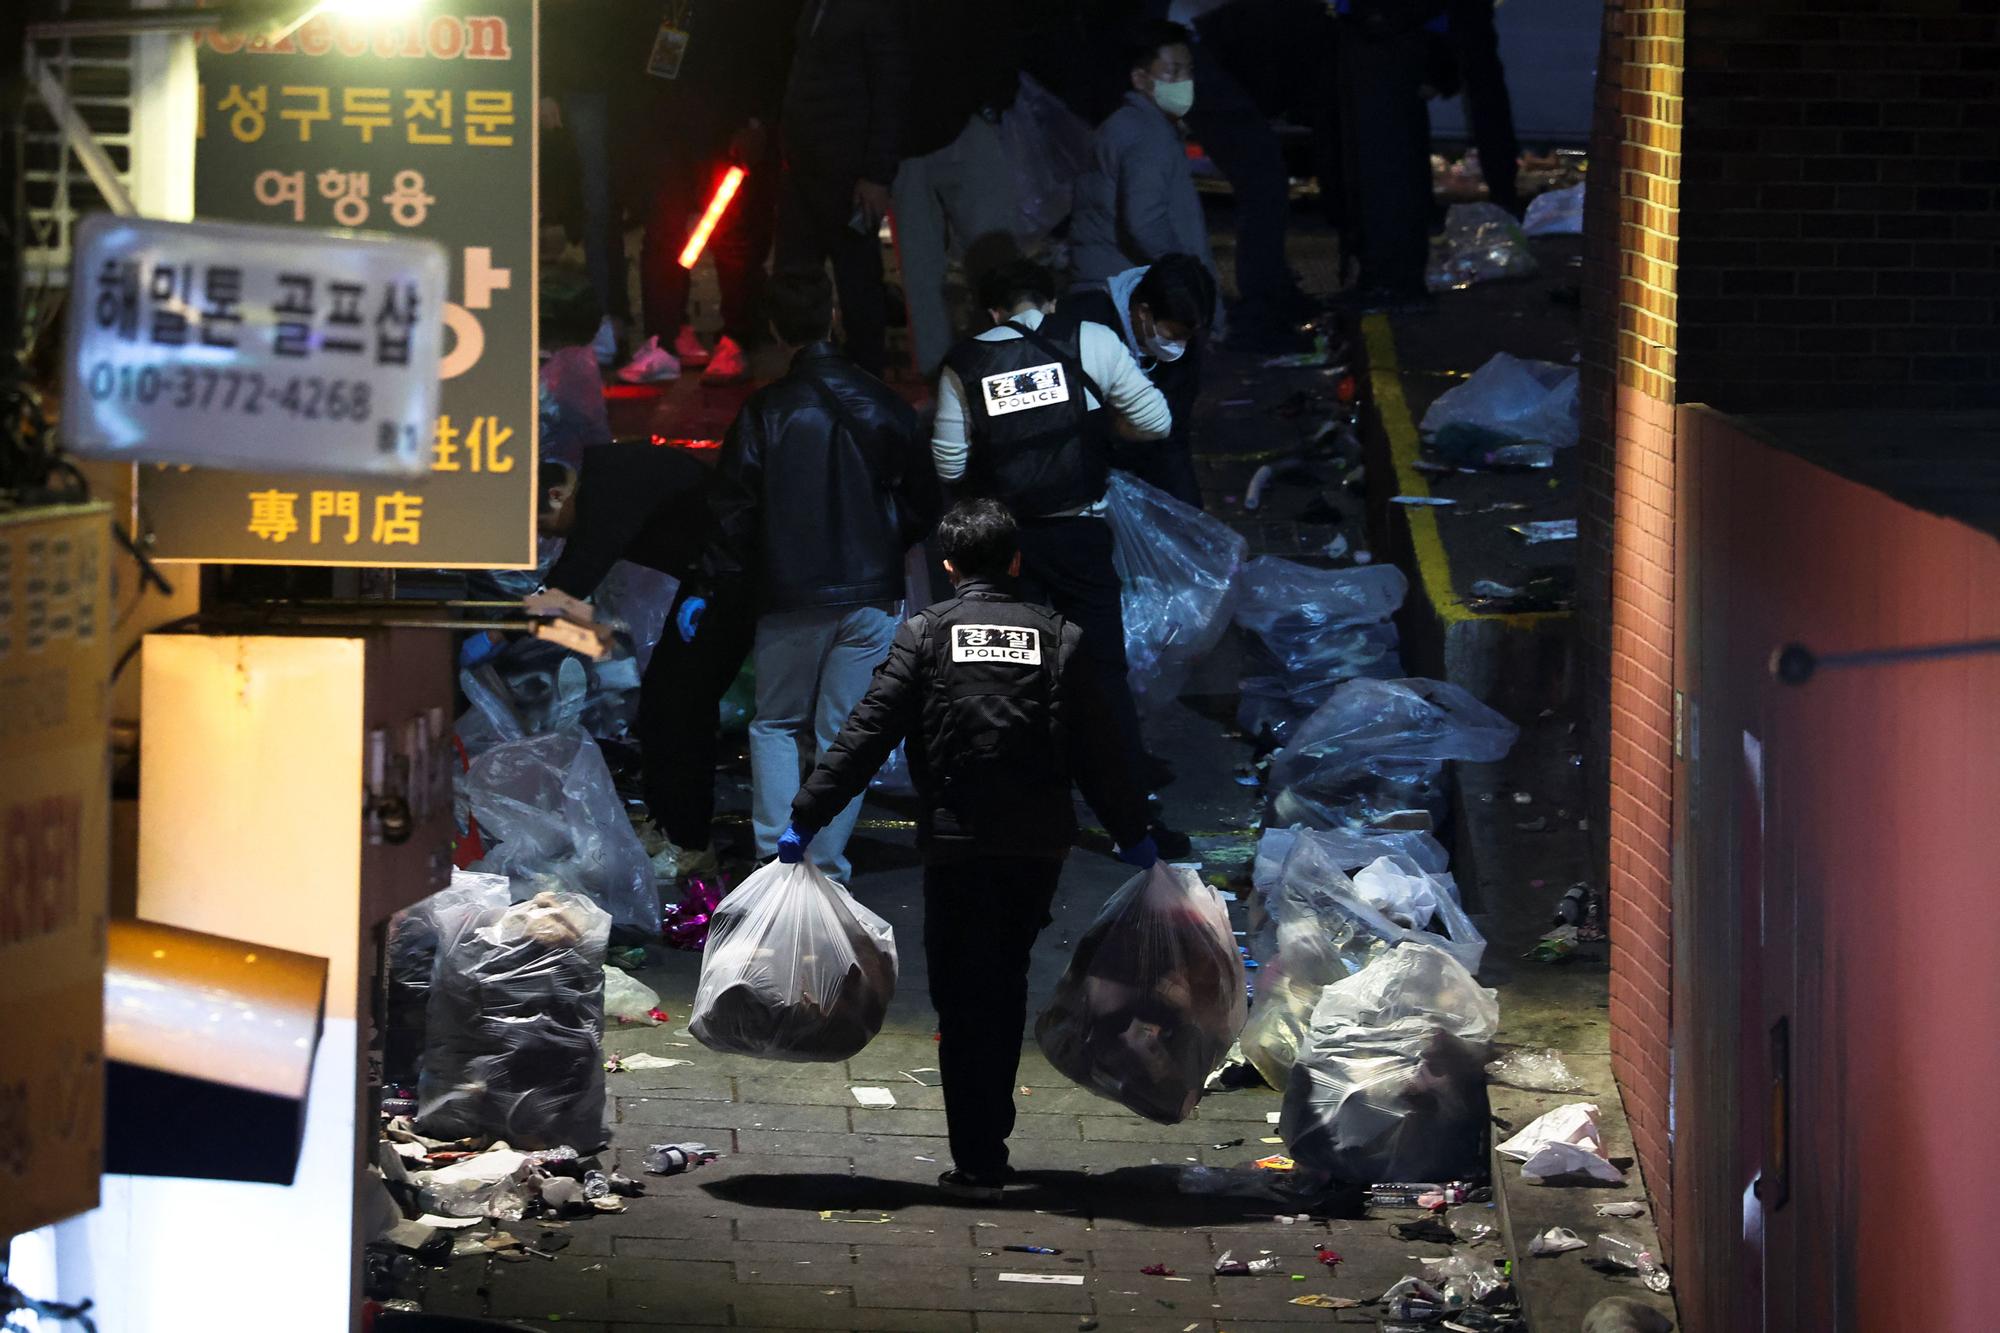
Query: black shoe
x=964 y=1185
x=1172 y=844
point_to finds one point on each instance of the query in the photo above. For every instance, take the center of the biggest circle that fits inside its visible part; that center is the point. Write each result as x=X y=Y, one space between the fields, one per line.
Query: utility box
x=54 y=848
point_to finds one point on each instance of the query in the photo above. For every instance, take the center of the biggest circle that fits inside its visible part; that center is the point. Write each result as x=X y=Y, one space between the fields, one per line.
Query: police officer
x=1020 y=419
x=1001 y=713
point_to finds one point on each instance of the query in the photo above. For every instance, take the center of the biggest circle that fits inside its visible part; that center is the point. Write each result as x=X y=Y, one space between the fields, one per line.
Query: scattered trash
x=1556 y=1240
x=1429 y=1230
x=1545 y=530
x=1620 y=1252
x=628 y=1000
x=1327 y=1256
x=1623 y=1208
x=1229 y=1266
x=1051 y=1279
x=873 y=1096
x=1555 y=213
x=1482 y=242
x=1278 y=1162
x=1178 y=568
x=1507 y=401
x=1465 y=1279
x=1400 y=1194
x=1316 y=1301
x=795 y=969
x=1292 y=1219
x=516 y=1006
x=1557 y=945
x=499 y=1184
x=625 y=1064
x=1565 y=1141
x=1534 y=1071
x=1422 y=501
x=1030 y=1249
x=854 y=1215
x=1414 y=1299
x=1253 y=494
x=1516 y=457
x=685 y=924
x=1152 y=998
x=670 y=1159
x=924 y=1078
x=1489 y=588
x=1157 y=1270
x=1319 y=357
x=1337 y=548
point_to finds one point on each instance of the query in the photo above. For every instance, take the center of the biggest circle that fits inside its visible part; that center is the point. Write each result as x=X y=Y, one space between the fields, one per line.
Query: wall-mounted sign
x=228 y=344
x=416 y=127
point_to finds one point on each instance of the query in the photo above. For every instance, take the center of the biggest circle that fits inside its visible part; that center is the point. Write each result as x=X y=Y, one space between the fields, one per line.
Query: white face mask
x=1164 y=349
x=1176 y=99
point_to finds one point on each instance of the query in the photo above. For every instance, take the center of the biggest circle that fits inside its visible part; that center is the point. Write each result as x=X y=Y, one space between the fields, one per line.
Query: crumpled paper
x=1565 y=1141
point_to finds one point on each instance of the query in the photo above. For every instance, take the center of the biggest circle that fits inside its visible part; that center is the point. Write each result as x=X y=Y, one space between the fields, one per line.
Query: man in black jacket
x=822 y=488
x=649 y=504
x=1001 y=714
x=843 y=112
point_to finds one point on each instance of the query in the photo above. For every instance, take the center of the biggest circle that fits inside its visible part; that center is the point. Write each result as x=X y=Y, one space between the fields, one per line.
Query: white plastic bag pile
x=1391 y=1083
x=1321 y=927
x=1153 y=997
x=516 y=1009
x=1178 y=569
x=1508 y=400
x=553 y=820
x=1311 y=630
x=795 y=969
x=1377 y=748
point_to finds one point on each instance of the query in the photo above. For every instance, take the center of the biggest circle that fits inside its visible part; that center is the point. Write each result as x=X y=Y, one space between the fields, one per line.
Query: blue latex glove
x=688 y=619
x=477 y=648
x=792 y=844
x=1141 y=855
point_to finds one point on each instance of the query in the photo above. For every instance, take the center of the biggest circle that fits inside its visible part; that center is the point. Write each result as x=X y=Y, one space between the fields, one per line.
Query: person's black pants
x=679 y=719
x=686 y=174
x=1388 y=139
x=981 y=918
x=1066 y=566
x=1169 y=463
x=1238 y=138
x=813 y=216
x=1487 y=104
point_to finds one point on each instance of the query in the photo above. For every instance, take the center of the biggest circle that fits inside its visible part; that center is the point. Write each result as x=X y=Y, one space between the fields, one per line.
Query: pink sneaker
x=687 y=347
x=653 y=364
x=729 y=365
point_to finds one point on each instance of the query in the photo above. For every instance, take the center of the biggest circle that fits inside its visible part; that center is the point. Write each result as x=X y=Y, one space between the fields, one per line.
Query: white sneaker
x=687 y=346
x=605 y=345
x=652 y=365
x=729 y=365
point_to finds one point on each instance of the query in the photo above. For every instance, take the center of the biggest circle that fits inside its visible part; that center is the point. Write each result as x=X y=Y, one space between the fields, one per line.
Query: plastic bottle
x=1420 y=1194
x=1626 y=1253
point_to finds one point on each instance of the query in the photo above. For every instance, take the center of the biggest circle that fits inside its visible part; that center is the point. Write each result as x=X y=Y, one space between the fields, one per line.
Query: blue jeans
x=812 y=667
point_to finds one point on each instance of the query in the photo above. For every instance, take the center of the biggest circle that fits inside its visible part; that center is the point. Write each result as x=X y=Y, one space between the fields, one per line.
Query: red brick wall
x=1627 y=555
x=1841 y=197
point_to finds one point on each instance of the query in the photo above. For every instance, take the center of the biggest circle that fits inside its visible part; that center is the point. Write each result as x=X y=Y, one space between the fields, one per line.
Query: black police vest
x=995 y=746
x=1034 y=442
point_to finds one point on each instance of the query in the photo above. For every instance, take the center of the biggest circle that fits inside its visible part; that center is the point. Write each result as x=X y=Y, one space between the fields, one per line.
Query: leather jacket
x=822 y=486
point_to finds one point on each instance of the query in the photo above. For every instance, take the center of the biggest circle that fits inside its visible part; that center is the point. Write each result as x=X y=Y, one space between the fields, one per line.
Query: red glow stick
x=724 y=193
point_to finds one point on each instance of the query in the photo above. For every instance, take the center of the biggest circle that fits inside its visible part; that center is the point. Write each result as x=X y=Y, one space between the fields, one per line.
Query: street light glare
x=368 y=9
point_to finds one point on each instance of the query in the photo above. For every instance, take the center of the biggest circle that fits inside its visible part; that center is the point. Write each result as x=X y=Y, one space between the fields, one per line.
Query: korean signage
x=230 y=344
x=414 y=127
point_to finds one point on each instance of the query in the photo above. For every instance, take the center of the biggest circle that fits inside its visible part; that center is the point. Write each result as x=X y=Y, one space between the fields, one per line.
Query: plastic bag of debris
x=795 y=969
x=1555 y=213
x=1482 y=242
x=1348 y=849
x=1178 y=567
x=1311 y=629
x=543 y=687
x=410 y=957
x=1390 y=1083
x=1048 y=146
x=1153 y=997
x=1321 y=926
x=554 y=820
x=1505 y=401
x=573 y=412
x=517 y=1003
x=1376 y=750
x=640 y=599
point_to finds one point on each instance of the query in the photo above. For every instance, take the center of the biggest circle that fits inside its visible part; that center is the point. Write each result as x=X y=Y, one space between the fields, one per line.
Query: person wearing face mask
x=1137 y=204
x=1163 y=310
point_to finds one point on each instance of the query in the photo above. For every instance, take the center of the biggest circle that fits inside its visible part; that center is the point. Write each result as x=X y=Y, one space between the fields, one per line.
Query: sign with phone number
x=230 y=344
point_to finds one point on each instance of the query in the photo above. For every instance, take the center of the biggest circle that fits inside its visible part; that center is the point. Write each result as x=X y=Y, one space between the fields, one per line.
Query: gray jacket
x=1138 y=201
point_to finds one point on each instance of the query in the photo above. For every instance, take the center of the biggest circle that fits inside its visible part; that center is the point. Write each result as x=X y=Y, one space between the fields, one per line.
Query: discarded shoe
x=729 y=365
x=653 y=364
x=688 y=348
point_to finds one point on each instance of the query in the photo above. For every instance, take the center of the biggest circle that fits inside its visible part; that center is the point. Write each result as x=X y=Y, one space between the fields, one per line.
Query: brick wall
x=1627 y=555
x=1841 y=197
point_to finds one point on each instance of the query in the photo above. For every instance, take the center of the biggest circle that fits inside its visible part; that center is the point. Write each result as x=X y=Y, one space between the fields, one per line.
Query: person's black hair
x=1179 y=288
x=979 y=537
x=1007 y=285
x=1146 y=39
x=800 y=305
x=552 y=473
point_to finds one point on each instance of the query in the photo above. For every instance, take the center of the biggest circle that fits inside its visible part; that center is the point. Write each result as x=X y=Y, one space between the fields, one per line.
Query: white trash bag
x=1482 y=242
x=1178 y=568
x=1555 y=213
x=1506 y=401
x=795 y=969
x=1391 y=1083
x=1152 y=999
x=628 y=999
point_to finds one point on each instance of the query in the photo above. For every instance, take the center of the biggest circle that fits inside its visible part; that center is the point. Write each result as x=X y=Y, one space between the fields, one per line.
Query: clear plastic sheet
x=573 y=413
x=1390 y=1083
x=1555 y=213
x=1311 y=629
x=1377 y=747
x=795 y=969
x=640 y=599
x=1152 y=999
x=1320 y=927
x=1506 y=401
x=1048 y=147
x=627 y=999
x=554 y=820
x=517 y=1003
x=1178 y=567
x=1348 y=849
x=1482 y=242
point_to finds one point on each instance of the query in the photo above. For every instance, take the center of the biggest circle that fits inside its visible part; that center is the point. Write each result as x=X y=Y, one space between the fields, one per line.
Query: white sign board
x=230 y=344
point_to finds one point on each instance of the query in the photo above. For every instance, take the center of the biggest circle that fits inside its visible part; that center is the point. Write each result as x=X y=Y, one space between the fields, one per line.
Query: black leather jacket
x=822 y=486
x=1001 y=716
